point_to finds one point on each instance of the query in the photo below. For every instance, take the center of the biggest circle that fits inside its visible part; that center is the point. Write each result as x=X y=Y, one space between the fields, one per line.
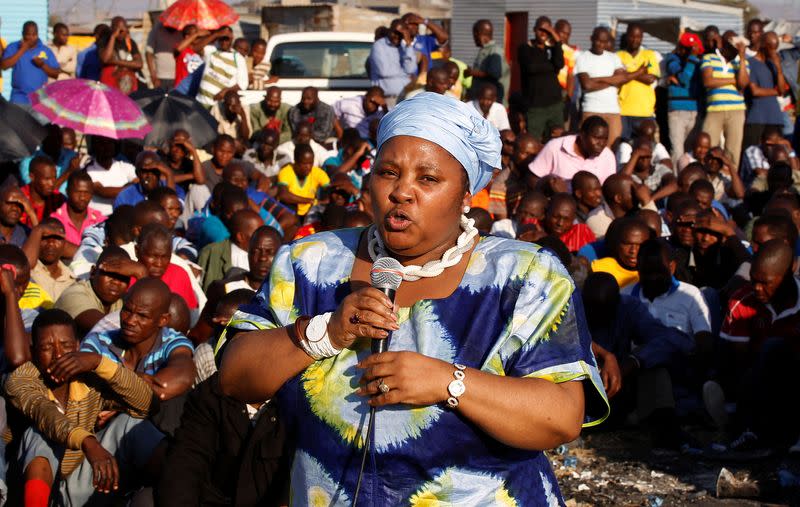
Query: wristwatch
x=457 y=387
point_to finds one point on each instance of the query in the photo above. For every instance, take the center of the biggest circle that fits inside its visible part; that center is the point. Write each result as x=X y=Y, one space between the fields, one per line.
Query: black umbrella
x=20 y=133
x=168 y=112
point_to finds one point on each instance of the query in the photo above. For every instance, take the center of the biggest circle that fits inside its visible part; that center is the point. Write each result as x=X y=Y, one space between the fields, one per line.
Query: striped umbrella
x=206 y=14
x=92 y=108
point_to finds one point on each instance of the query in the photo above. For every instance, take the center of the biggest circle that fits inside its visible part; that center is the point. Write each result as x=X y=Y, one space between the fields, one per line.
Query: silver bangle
x=319 y=346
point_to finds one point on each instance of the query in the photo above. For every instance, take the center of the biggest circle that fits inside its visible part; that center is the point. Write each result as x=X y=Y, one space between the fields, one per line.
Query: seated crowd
x=120 y=271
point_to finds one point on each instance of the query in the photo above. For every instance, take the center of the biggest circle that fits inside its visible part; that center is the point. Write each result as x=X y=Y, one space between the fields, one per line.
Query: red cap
x=691 y=40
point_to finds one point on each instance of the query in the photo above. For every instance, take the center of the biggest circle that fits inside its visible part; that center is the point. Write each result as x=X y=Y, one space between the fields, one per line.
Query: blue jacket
x=656 y=344
x=684 y=95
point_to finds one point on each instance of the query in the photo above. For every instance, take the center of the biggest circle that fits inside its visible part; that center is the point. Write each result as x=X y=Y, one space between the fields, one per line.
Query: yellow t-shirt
x=610 y=265
x=570 y=55
x=309 y=187
x=635 y=97
x=35 y=297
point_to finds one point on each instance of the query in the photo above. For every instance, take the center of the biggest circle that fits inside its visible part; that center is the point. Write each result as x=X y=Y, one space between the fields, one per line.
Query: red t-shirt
x=50 y=205
x=578 y=236
x=178 y=281
x=186 y=62
x=308 y=230
x=749 y=321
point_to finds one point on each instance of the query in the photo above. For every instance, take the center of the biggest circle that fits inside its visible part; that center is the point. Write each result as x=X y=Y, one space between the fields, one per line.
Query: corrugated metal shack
x=513 y=20
x=320 y=17
x=13 y=14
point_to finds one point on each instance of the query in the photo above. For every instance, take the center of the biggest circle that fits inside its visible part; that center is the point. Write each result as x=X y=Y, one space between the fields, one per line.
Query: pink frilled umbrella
x=92 y=108
x=206 y=14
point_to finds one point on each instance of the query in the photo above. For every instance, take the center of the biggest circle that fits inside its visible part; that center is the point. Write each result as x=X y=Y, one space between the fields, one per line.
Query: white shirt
x=118 y=175
x=238 y=284
x=625 y=151
x=600 y=218
x=284 y=153
x=239 y=258
x=605 y=100
x=498 y=116
x=505 y=228
x=682 y=307
x=67 y=58
x=351 y=114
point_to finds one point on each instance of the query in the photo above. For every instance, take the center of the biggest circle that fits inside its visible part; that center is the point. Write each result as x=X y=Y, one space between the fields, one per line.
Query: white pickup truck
x=333 y=62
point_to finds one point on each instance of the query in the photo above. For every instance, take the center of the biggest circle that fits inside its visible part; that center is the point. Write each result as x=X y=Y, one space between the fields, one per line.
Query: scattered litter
x=620 y=468
x=729 y=486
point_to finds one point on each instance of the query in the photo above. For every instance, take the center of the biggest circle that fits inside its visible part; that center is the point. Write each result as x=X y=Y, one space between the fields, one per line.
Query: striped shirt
x=111 y=345
x=26 y=390
x=728 y=97
x=224 y=69
x=260 y=74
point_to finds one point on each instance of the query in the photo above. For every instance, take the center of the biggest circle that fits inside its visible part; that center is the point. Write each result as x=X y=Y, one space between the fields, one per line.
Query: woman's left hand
x=412 y=378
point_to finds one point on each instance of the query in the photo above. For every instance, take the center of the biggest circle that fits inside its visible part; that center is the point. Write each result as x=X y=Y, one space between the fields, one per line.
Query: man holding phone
x=32 y=61
x=392 y=61
x=540 y=61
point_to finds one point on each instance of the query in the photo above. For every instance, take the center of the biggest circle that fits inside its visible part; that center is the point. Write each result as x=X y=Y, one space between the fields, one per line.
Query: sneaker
x=714 y=401
x=746 y=441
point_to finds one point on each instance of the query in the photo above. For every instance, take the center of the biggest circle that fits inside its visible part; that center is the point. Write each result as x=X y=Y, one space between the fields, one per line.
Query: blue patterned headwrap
x=455 y=126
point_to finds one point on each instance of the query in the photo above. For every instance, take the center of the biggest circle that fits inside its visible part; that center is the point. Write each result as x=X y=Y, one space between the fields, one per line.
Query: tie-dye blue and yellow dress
x=512 y=314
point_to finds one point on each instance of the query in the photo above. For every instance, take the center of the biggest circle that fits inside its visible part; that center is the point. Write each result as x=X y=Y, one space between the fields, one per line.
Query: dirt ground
x=620 y=468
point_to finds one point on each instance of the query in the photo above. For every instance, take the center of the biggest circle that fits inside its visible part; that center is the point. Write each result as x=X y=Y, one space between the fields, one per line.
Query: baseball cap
x=691 y=40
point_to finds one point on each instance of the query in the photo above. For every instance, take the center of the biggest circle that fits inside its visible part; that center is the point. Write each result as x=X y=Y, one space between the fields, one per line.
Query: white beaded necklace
x=432 y=268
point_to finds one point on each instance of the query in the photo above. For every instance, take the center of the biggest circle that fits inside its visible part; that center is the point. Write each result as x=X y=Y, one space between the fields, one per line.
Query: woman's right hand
x=364 y=313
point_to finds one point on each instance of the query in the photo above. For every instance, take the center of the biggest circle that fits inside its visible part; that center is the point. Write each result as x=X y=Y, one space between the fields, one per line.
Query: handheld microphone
x=386 y=275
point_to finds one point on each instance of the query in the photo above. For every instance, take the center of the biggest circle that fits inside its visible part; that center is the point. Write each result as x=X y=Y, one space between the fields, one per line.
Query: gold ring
x=383 y=387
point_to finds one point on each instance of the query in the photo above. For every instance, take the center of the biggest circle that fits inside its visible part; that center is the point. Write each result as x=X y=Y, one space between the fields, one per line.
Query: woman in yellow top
x=299 y=183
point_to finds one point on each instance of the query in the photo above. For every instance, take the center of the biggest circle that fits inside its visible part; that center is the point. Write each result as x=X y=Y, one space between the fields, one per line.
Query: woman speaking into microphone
x=489 y=361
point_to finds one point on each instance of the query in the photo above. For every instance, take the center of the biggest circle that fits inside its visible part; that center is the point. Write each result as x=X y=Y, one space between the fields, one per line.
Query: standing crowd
x=121 y=267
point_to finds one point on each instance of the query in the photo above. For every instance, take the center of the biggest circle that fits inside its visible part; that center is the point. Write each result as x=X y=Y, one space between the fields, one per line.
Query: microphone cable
x=367 y=441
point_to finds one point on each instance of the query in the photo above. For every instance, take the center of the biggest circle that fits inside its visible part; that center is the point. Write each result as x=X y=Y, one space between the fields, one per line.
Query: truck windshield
x=321 y=59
